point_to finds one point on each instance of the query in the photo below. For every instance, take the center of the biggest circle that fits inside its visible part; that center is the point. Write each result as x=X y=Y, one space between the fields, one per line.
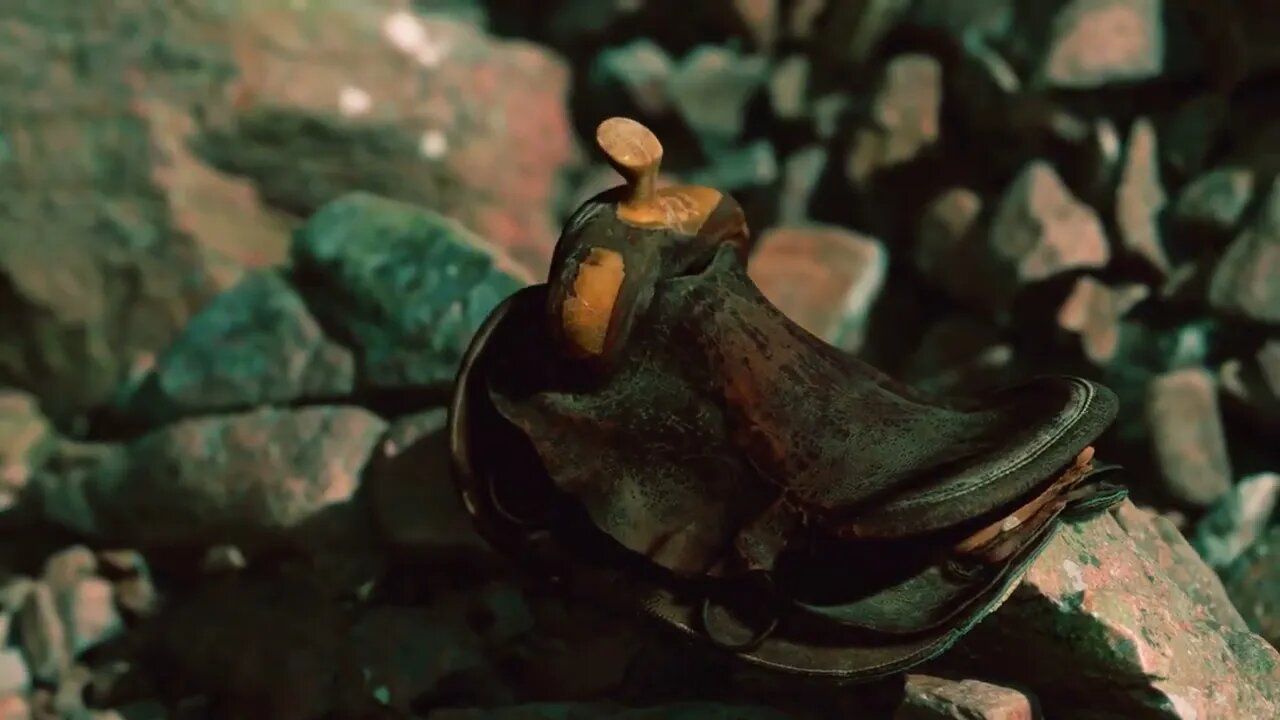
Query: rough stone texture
x=334 y=97
x=1163 y=542
x=824 y=278
x=402 y=286
x=1100 y=42
x=256 y=344
x=1237 y=520
x=1097 y=612
x=904 y=118
x=1140 y=199
x=1246 y=281
x=1093 y=311
x=1040 y=230
x=1253 y=582
x=1253 y=385
x=933 y=698
x=251 y=477
x=709 y=90
x=1188 y=439
x=25 y=442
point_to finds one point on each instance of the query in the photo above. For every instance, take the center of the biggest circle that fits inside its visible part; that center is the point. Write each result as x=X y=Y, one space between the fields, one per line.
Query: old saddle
x=648 y=430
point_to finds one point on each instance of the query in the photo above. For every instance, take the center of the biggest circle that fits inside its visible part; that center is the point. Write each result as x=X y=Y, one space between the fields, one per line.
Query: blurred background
x=242 y=240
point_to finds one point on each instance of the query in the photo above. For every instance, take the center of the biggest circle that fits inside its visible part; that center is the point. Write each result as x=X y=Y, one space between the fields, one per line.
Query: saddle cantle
x=647 y=428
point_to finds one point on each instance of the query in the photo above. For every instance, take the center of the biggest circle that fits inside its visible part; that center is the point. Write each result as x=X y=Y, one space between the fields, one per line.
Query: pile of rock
x=269 y=230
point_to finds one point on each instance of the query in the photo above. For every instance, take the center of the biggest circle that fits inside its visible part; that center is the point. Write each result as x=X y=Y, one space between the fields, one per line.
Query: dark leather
x=718 y=405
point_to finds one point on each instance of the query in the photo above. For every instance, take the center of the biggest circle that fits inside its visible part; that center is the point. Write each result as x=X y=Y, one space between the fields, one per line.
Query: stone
x=789 y=87
x=90 y=615
x=561 y=711
x=1193 y=132
x=744 y=168
x=824 y=278
x=1099 y=606
x=406 y=288
x=710 y=90
x=472 y=126
x=135 y=592
x=14 y=676
x=1095 y=43
x=67 y=567
x=415 y=502
x=1160 y=537
x=251 y=477
x=26 y=439
x=1215 y=200
x=14 y=707
x=934 y=698
x=1253 y=583
x=904 y=118
x=801 y=175
x=1093 y=311
x=760 y=18
x=1246 y=280
x=1237 y=520
x=641 y=70
x=1140 y=198
x=1252 y=385
x=255 y=344
x=1188 y=440
x=1040 y=231
x=42 y=635
x=945 y=236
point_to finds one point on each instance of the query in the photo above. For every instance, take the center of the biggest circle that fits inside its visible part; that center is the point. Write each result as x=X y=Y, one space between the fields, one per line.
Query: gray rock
x=1101 y=42
x=255 y=344
x=1188 y=439
x=748 y=167
x=801 y=174
x=1140 y=199
x=14 y=675
x=403 y=287
x=710 y=90
x=641 y=70
x=934 y=698
x=1252 y=385
x=42 y=635
x=1237 y=520
x=789 y=87
x=1253 y=582
x=1215 y=200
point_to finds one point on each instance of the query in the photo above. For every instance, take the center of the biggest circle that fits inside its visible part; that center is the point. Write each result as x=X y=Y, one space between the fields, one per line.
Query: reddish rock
x=14 y=707
x=1093 y=311
x=1096 y=612
x=1246 y=281
x=252 y=476
x=824 y=278
x=1101 y=42
x=1040 y=230
x=904 y=118
x=1140 y=199
x=26 y=440
x=760 y=17
x=933 y=698
x=1187 y=437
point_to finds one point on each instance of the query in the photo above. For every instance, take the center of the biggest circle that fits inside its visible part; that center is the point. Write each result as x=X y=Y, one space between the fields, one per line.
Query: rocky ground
x=244 y=243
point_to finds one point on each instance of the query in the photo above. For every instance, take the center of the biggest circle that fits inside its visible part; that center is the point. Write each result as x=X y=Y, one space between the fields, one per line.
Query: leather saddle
x=647 y=429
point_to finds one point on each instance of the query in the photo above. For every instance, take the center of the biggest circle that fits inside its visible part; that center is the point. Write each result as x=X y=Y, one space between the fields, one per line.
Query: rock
x=710 y=90
x=415 y=502
x=904 y=118
x=1093 y=311
x=403 y=286
x=1193 y=132
x=1040 y=231
x=256 y=344
x=25 y=442
x=1188 y=440
x=1098 y=605
x=746 y=168
x=90 y=614
x=67 y=567
x=641 y=70
x=474 y=127
x=945 y=237
x=1253 y=583
x=760 y=17
x=42 y=635
x=824 y=278
x=801 y=174
x=1160 y=538
x=1246 y=281
x=1216 y=200
x=134 y=591
x=789 y=87
x=933 y=698
x=1253 y=385
x=556 y=711
x=14 y=676
x=250 y=477
x=1104 y=42
x=1140 y=199
x=960 y=353
x=14 y=707
x=1237 y=520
